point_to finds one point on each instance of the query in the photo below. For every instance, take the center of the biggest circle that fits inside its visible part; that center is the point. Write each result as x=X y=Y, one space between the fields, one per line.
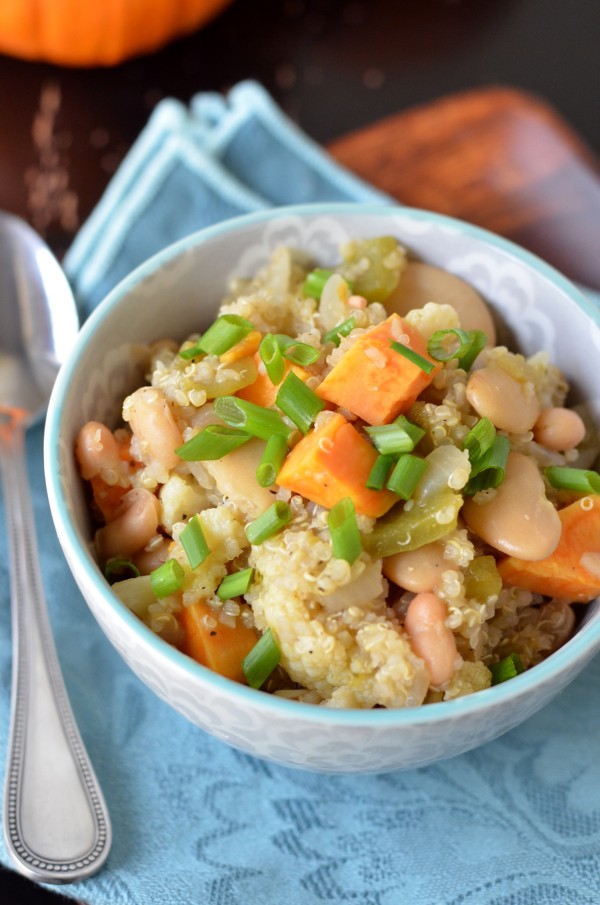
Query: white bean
x=509 y=404
x=235 y=477
x=151 y=419
x=152 y=556
x=416 y=570
x=134 y=525
x=430 y=637
x=516 y=519
x=97 y=451
x=559 y=429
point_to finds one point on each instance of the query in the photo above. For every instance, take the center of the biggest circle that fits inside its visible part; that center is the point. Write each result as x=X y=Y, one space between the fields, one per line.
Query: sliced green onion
x=423 y=363
x=343 y=329
x=478 y=342
x=301 y=354
x=252 y=418
x=379 y=473
x=507 y=668
x=270 y=353
x=446 y=344
x=581 y=480
x=488 y=470
x=260 y=662
x=398 y=437
x=479 y=439
x=214 y=442
x=343 y=527
x=269 y=523
x=118 y=568
x=167 y=579
x=194 y=543
x=299 y=402
x=227 y=331
x=235 y=584
x=271 y=460
x=283 y=340
x=315 y=281
x=407 y=473
x=193 y=351
x=464 y=345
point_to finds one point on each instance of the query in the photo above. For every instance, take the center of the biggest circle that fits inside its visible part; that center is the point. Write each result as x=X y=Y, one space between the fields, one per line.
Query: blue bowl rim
x=570 y=657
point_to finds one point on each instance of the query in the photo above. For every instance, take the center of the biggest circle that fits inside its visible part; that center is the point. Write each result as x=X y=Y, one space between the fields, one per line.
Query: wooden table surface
x=486 y=111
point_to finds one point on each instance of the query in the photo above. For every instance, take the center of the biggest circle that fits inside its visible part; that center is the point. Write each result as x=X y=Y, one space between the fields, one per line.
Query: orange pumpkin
x=76 y=33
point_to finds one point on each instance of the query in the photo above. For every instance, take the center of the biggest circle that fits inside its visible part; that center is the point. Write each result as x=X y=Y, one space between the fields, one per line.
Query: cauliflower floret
x=432 y=317
x=471 y=677
x=358 y=656
x=223 y=530
x=180 y=498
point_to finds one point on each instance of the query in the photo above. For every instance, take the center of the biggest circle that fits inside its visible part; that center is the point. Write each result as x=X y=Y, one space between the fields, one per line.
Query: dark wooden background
x=518 y=152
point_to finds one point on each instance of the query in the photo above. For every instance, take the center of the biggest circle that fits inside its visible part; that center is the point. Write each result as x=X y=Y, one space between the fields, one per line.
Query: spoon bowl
x=56 y=826
x=38 y=326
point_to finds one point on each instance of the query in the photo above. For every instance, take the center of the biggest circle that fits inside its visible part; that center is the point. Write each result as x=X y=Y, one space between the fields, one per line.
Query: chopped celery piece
x=374 y=266
x=403 y=529
x=482 y=579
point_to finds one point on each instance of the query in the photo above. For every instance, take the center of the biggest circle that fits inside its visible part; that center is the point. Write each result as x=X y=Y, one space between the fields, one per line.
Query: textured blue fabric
x=516 y=822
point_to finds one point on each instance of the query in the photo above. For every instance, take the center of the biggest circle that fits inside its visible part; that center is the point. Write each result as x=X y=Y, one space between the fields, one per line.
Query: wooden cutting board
x=496 y=157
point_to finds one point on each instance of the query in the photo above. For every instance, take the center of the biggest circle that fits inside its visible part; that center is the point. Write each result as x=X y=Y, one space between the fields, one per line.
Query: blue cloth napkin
x=516 y=822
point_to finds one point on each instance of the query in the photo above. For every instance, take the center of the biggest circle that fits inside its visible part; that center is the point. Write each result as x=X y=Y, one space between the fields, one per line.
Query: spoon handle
x=56 y=825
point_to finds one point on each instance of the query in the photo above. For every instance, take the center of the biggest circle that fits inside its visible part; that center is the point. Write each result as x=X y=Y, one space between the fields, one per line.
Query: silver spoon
x=56 y=825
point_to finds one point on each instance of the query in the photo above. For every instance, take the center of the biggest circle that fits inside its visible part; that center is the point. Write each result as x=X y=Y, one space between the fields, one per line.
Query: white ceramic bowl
x=176 y=292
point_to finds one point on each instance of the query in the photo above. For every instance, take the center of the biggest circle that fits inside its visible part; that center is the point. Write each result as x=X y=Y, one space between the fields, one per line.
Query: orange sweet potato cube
x=372 y=380
x=334 y=461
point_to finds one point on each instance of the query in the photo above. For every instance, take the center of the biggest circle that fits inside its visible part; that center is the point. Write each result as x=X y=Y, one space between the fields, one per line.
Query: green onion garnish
x=488 y=470
x=235 y=584
x=260 y=662
x=479 y=439
x=271 y=460
x=478 y=342
x=299 y=402
x=298 y=353
x=464 y=345
x=167 y=579
x=270 y=353
x=315 y=281
x=379 y=473
x=580 y=480
x=214 y=442
x=343 y=329
x=446 y=344
x=119 y=568
x=398 y=437
x=192 y=351
x=507 y=668
x=343 y=527
x=269 y=523
x=301 y=354
x=194 y=543
x=423 y=363
x=407 y=473
x=252 y=418
x=227 y=331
